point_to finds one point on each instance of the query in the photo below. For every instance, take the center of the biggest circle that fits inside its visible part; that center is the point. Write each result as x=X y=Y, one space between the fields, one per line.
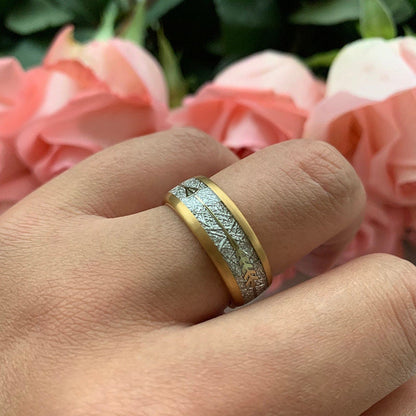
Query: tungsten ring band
x=225 y=235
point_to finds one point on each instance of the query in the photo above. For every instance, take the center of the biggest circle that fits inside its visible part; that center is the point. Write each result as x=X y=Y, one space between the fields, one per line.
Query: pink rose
x=381 y=232
x=278 y=281
x=16 y=181
x=81 y=100
x=18 y=102
x=410 y=235
x=260 y=100
x=369 y=115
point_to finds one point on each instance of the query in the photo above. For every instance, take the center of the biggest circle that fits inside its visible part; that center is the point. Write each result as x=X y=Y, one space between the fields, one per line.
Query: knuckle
x=11 y=235
x=326 y=168
x=389 y=261
x=21 y=228
x=395 y=268
x=194 y=140
x=398 y=287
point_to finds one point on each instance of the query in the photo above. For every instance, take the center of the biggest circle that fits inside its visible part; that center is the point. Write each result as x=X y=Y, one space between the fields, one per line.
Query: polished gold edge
x=190 y=220
x=238 y=215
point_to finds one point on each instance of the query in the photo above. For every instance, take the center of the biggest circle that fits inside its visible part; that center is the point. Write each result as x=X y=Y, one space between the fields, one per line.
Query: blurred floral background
x=341 y=71
x=206 y=35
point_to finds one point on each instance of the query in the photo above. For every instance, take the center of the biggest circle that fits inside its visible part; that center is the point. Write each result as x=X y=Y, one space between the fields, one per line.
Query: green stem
x=136 y=28
x=108 y=22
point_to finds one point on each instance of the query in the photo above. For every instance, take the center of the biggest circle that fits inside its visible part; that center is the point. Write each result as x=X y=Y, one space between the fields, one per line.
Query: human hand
x=109 y=306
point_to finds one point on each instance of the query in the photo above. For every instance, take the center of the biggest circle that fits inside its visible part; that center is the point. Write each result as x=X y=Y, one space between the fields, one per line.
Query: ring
x=225 y=235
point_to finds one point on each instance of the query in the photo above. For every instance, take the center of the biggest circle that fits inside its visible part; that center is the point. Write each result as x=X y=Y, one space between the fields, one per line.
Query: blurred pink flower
x=368 y=114
x=18 y=102
x=278 y=280
x=81 y=100
x=382 y=231
x=256 y=102
x=411 y=227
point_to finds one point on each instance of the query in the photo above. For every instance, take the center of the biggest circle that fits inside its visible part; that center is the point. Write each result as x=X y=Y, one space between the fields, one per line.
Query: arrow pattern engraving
x=226 y=233
x=189 y=190
x=250 y=276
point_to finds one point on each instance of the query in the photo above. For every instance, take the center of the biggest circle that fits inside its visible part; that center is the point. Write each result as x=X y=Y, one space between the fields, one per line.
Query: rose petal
x=381 y=232
x=280 y=73
x=127 y=68
x=372 y=69
x=11 y=80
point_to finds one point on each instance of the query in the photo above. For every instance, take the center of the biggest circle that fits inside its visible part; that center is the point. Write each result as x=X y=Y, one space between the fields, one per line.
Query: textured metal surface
x=227 y=235
x=192 y=184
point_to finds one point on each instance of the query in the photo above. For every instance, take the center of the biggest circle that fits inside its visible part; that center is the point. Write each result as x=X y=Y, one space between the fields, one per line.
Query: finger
x=334 y=345
x=297 y=195
x=135 y=175
x=324 y=256
x=402 y=402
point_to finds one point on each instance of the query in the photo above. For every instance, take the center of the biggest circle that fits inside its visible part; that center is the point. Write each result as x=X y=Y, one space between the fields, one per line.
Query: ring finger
x=298 y=196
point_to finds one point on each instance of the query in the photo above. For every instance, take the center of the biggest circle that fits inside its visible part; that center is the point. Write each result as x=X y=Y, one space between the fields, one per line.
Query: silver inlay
x=227 y=235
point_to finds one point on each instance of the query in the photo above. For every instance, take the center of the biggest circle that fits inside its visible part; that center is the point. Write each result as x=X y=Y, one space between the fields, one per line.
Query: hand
x=109 y=306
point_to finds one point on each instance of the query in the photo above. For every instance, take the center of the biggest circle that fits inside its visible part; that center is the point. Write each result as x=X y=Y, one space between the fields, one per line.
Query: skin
x=109 y=306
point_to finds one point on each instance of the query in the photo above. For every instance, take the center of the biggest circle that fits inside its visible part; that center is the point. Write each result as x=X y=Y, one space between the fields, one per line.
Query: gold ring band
x=241 y=219
x=225 y=235
x=208 y=245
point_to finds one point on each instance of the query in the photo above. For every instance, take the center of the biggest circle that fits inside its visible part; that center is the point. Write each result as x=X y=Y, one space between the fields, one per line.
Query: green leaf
x=400 y=9
x=29 y=52
x=376 y=20
x=124 y=5
x=84 y=34
x=331 y=12
x=248 y=26
x=326 y=12
x=30 y=16
x=259 y=13
x=178 y=87
x=85 y=12
x=159 y=8
x=5 y=6
x=77 y=8
x=323 y=59
x=135 y=29
x=412 y=3
x=408 y=31
x=106 y=29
